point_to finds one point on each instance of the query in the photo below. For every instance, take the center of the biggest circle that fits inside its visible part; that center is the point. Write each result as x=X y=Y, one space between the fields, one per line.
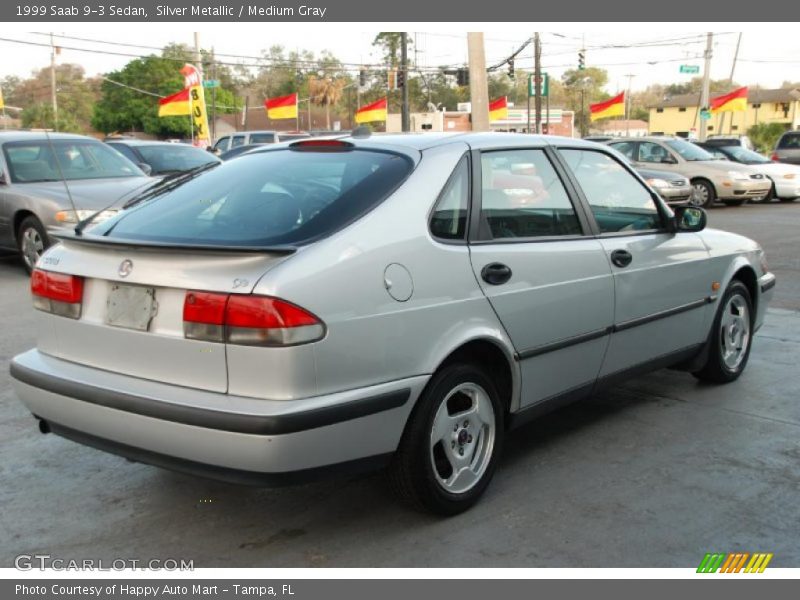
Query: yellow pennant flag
x=2 y=104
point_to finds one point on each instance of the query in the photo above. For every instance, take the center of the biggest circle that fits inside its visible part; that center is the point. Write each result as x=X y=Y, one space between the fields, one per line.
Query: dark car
x=49 y=182
x=238 y=151
x=162 y=158
x=787 y=150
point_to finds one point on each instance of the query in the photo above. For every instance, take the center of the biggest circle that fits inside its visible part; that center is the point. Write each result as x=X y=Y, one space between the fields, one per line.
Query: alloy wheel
x=31 y=246
x=462 y=438
x=734 y=331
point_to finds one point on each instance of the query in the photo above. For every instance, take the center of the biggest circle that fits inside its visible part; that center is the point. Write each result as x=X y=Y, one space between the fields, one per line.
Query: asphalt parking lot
x=654 y=473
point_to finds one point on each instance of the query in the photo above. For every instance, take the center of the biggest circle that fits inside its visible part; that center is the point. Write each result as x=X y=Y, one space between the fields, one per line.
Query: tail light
x=248 y=320
x=57 y=293
x=774 y=157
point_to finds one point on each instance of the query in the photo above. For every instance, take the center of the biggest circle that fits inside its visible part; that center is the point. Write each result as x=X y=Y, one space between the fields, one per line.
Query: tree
x=765 y=135
x=75 y=94
x=130 y=96
x=581 y=88
x=326 y=91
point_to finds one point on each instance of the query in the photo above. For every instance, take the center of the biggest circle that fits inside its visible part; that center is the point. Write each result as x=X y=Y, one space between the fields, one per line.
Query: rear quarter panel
x=373 y=338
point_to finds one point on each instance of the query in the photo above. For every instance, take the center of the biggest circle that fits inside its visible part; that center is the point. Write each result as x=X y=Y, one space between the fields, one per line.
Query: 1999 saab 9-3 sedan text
x=397 y=301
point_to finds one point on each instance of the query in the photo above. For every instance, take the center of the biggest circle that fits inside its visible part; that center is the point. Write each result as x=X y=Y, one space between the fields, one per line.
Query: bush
x=765 y=135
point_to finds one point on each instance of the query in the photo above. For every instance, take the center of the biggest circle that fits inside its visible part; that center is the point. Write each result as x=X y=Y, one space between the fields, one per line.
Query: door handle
x=621 y=258
x=496 y=273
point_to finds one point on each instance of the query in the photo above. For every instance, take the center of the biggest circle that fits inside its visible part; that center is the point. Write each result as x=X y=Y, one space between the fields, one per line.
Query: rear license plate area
x=131 y=307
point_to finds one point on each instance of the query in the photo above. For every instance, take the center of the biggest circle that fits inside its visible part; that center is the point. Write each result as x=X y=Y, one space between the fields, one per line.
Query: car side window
x=653 y=153
x=626 y=148
x=618 y=200
x=238 y=140
x=223 y=144
x=449 y=220
x=126 y=152
x=523 y=197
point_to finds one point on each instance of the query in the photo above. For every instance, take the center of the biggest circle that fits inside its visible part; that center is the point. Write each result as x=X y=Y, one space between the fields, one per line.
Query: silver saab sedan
x=400 y=301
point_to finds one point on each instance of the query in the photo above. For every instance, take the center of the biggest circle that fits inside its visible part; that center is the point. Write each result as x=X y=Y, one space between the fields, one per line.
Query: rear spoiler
x=96 y=240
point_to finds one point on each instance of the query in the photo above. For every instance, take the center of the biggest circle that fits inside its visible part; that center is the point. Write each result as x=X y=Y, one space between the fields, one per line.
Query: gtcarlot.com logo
x=41 y=562
x=734 y=562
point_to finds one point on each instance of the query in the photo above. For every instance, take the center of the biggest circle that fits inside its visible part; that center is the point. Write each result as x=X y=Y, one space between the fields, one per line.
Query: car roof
x=133 y=142
x=476 y=140
x=24 y=136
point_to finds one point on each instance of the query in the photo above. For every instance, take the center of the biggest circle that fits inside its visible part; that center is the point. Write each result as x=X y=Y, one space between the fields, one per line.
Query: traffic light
x=462 y=77
x=362 y=77
x=581 y=59
x=511 y=68
x=401 y=78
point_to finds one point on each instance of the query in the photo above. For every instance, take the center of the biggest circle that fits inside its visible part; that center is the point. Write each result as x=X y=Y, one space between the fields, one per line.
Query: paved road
x=654 y=473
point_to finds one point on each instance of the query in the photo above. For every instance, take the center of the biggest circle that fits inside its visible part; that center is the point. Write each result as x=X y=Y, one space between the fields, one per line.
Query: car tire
x=731 y=336
x=32 y=241
x=703 y=194
x=736 y=202
x=787 y=199
x=768 y=198
x=449 y=450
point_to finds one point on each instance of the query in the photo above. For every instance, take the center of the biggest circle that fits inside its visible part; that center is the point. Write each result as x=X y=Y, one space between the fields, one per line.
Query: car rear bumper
x=216 y=435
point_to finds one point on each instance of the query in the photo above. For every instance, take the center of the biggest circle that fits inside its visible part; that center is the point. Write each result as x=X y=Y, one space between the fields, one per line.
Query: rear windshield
x=54 y=160
x=283 y=197
x=789 y=140
x=170 y=158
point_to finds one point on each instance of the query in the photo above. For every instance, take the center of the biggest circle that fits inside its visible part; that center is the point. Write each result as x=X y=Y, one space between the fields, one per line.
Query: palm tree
x=327 y=91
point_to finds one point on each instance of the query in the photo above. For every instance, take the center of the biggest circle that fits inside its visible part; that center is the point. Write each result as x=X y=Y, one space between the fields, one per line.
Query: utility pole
x=628 y=101
x=53 y=96
x=721 y=123
x=706 y=84
x=537 y=80
x=404 y=116
x=478 y=86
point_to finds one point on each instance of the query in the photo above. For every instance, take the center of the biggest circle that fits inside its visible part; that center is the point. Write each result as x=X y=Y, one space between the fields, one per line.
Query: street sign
x=545 y=85
x=211 y=83
x=691 y=69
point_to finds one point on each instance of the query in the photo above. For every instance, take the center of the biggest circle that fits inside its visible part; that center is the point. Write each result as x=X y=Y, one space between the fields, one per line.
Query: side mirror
x=669 y=160
x=690 y=218
x=145 y=167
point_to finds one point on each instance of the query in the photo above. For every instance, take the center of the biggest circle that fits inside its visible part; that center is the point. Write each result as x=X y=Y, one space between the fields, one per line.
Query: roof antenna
x=63 y=180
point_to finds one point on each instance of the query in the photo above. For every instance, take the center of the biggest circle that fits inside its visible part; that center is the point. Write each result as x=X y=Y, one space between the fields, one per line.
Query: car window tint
x=522 y=197
x=268 y=198
x=653 y=153
x=449 y=219
x=626 y=148
x=50 y=161
x=789 y=140
x=238 y=140
x=126 y=152
x=171 y=158
x=262 y=138
x=618 y=200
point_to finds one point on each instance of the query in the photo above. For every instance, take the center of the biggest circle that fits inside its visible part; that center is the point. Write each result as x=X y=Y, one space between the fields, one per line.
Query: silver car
x=49 y=182
x=713 y=180
x=390 y=301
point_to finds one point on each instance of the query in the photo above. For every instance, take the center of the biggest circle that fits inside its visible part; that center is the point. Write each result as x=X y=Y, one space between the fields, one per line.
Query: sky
x=651 y=53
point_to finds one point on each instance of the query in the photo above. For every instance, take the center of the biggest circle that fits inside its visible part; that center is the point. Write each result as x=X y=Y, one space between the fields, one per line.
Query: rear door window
x=283 y=197
x=449 y=220
x=523 y=197
x=619 y=201
x=626 y=148
x=238 y=140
